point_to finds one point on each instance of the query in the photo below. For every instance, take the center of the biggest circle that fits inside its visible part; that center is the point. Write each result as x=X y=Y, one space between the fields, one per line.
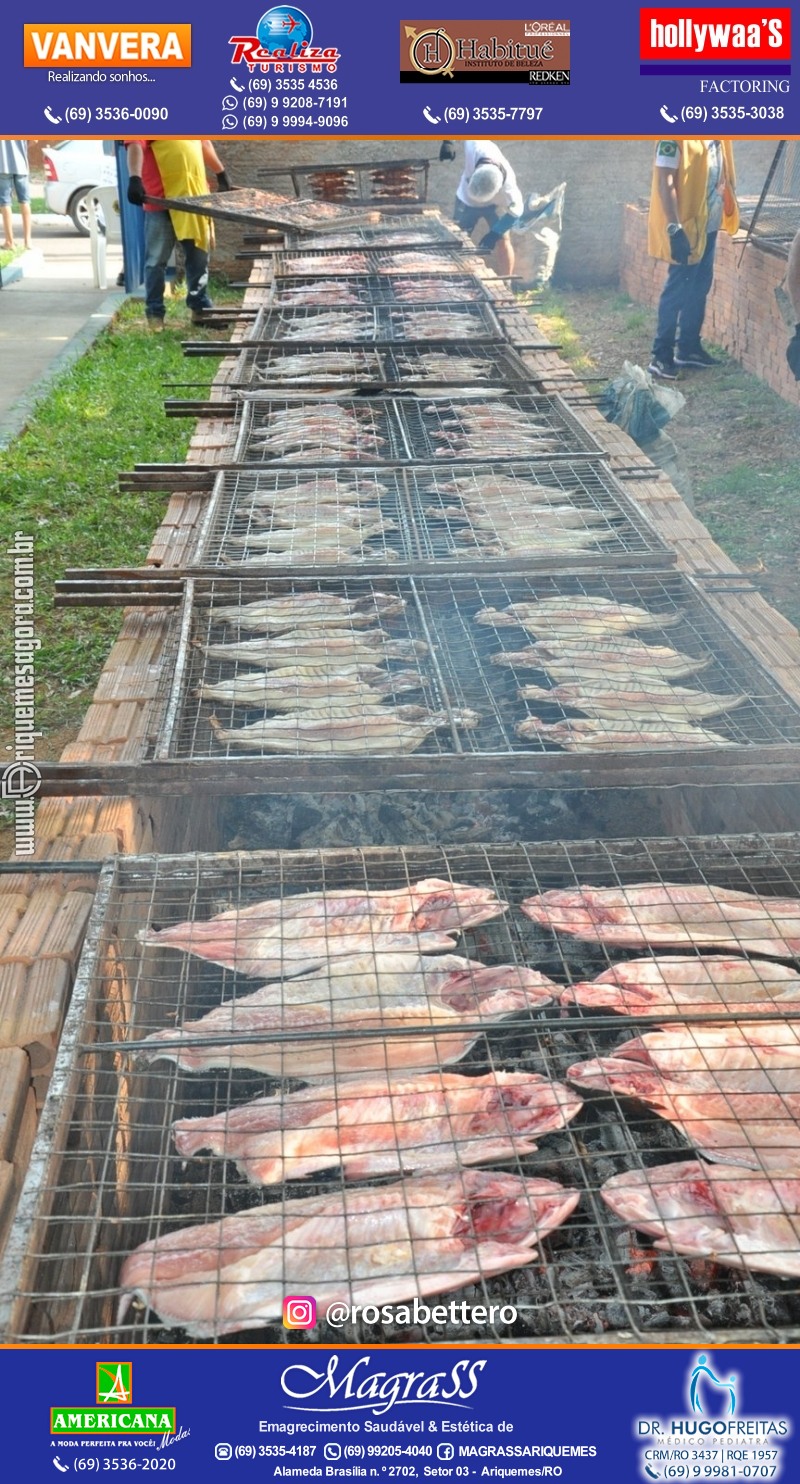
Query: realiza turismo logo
x=283 y=43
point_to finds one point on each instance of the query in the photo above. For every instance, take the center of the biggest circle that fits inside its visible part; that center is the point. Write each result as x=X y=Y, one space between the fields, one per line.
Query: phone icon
x=431 y=117
x=54 y=119
x=671 y=118
x=62 y=1467
x=237 y=87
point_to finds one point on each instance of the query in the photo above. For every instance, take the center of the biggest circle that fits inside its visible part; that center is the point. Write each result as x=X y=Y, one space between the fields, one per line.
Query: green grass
x=60 y=485
x=8 y=254
x=551 y=316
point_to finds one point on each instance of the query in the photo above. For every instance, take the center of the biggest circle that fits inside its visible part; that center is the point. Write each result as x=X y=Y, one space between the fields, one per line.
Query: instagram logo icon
x=299 y=1311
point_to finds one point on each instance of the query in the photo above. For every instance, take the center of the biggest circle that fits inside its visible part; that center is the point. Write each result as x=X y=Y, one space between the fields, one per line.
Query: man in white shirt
x=488 y=191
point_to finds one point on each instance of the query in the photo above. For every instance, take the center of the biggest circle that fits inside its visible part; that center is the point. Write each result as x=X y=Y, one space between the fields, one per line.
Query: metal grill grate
x=390 y=182
x=459 y=677
x=301 y=367
x=377 y=322
x=481 y=513
x=105 y=1175
x=459 y=288
x=370 y=258
x=455 y=427
x=420 y=232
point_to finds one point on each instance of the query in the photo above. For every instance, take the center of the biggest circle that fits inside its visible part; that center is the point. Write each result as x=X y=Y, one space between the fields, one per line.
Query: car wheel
x=78 y=211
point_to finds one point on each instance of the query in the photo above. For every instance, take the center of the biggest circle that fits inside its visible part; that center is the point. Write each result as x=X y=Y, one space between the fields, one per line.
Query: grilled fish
x=736 y=1218
x=699 y=985
x=387 y=1125
x=368 y=646
x=732 y=1090
x=579 y=616
x=672 y=914
x=653 y=699
x=275 y=693
x=293 y=934
x=330 y=1040
x=298 y=610
x=378 y=729
x=600 y=734
x=416 y=1237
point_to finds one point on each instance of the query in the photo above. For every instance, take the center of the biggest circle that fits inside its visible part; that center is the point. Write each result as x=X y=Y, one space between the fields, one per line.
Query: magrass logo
x=283 y=43
x=114 y=1414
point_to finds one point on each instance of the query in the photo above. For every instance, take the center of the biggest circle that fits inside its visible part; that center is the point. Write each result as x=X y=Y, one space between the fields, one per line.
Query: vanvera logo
x=115 y=45
x=360 y=1389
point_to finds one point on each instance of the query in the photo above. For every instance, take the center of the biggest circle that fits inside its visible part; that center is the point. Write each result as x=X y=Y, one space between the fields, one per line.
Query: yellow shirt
x=691 y=182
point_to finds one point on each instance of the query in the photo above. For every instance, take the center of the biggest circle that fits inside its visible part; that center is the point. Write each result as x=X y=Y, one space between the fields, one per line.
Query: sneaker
x=699 y=358
x=666 y=369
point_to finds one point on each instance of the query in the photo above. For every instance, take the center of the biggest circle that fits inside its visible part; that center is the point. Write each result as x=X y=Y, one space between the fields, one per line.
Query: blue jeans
x=682 y=306
x=159 y=241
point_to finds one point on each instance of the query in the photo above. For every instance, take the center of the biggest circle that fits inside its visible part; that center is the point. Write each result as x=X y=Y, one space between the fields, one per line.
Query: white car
x=73 y=168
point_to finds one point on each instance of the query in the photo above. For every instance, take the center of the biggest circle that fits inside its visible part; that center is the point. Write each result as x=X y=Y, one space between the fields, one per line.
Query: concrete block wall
x=743 y=314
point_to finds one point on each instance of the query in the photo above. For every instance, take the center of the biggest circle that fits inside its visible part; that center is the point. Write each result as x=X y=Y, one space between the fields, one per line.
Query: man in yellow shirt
x=692 y=198
x=174 y=167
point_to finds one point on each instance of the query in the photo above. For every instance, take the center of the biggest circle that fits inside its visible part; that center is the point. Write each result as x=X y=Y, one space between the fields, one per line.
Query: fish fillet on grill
x=408 y=1033
x=579 y=616
x=313 y=535
x=597 y=659
x=293 y=934
x=698 y=984
x=385 y=1125
x=421 y=1236
x=732 y=1090
x=299 y=610
x=652 y=699
x=378 y=729
x=601 y=734
x=314 y=492
x=673 y=915
x=274 y=692
x=368 y=646
x=734 y=1217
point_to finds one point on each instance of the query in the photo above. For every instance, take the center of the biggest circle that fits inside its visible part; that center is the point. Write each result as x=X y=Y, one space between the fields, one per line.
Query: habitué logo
x=283 y=43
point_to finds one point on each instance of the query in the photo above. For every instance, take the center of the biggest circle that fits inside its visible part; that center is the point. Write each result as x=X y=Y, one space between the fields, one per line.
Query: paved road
x=50 y=315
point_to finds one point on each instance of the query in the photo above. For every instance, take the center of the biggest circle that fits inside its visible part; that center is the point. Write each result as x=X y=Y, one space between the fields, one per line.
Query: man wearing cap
x=488 y=191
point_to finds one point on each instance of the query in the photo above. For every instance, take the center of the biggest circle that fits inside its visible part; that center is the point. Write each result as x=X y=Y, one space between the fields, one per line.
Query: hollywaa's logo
x=283 y=43
x=360 y=1389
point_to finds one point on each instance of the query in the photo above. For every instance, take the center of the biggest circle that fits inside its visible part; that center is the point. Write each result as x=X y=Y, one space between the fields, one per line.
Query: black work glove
x=136 y=191
x=488 y=242
x=447 y=150
x=680 y=248
x=223 y=184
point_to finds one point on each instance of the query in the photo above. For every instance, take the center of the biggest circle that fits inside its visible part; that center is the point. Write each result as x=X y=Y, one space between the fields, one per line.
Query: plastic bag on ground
x=638 y=405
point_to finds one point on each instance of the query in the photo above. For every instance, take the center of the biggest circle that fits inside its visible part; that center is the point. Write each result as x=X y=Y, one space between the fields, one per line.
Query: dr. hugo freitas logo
x=712 y=1420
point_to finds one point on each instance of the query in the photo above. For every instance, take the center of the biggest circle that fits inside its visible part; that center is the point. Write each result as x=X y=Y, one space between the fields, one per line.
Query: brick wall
x=743 y=314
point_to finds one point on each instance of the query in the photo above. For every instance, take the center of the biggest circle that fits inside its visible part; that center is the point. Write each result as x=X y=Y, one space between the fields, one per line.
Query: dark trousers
x=682 y=306
x=159 y=241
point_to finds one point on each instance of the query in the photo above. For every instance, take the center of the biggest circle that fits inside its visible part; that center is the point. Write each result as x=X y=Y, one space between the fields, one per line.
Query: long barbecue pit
x=107 y=1175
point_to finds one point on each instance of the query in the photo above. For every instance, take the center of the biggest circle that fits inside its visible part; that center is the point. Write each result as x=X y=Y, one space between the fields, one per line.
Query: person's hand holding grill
x=447 y=150
x=793 y=353
x=488 y=242
x=223 y=184
x=136 y=191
